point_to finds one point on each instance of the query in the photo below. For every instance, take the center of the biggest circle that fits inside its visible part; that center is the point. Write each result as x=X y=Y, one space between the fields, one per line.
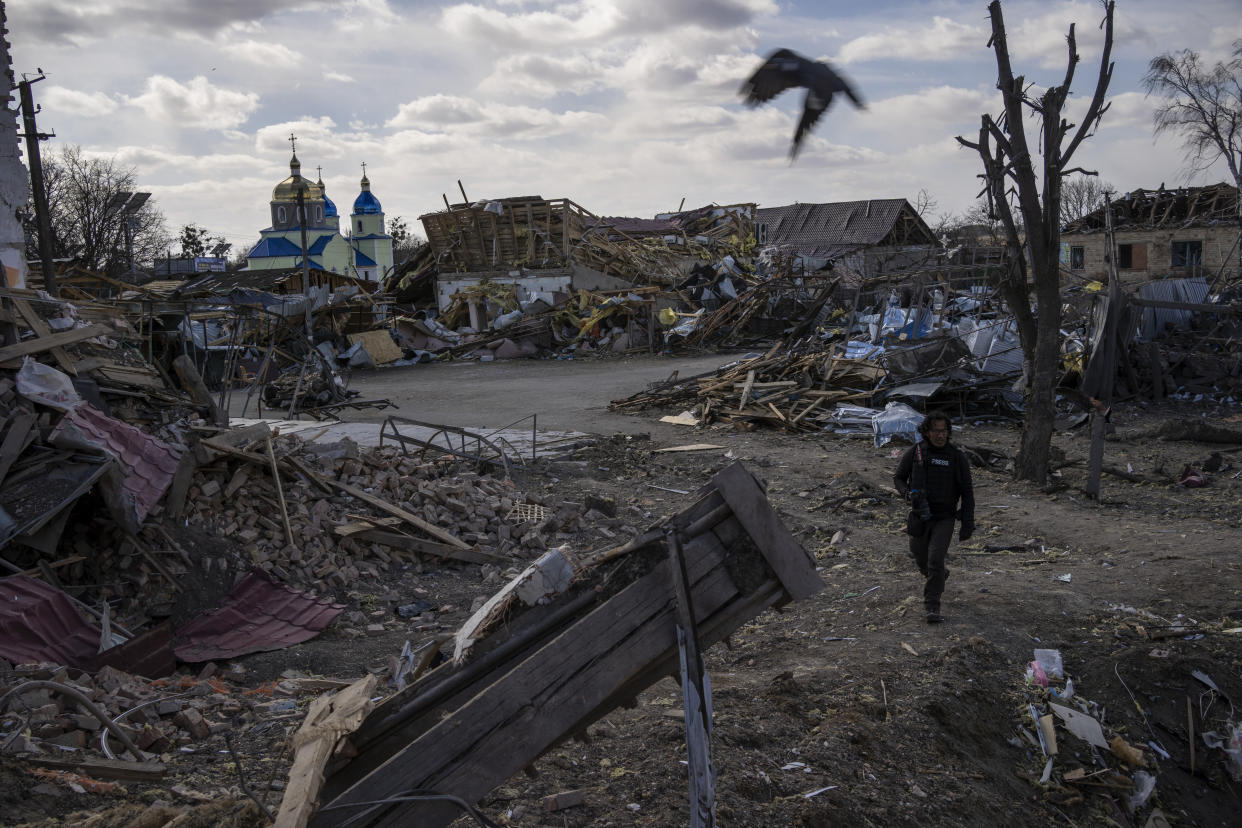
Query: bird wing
x=812 y=108
x=782 y=70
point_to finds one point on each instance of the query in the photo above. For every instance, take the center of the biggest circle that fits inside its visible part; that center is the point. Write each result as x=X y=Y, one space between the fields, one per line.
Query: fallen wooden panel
x=379 y=345
x=55 y=340
x=554 y=668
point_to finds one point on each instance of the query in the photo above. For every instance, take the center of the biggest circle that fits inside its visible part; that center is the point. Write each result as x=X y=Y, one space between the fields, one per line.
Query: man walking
x=934 y=476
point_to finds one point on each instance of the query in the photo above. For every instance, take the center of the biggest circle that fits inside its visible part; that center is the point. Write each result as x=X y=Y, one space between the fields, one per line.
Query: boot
x=933 y=613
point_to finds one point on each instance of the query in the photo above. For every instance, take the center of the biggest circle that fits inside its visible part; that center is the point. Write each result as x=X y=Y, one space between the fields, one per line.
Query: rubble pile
x=328 y=540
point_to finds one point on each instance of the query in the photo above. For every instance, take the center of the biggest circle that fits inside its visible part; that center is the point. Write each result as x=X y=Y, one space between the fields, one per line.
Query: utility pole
x=42 y=220
x=306 y=285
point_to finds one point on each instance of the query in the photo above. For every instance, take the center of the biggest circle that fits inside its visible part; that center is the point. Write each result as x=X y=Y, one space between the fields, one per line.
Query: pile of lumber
x=787 y=391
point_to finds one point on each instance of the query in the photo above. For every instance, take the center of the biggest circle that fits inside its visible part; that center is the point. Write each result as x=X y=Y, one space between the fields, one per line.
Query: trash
x=1127 y=753
x=44 y=384
x=1049 y=733
x=1063 y=578
x=1035 y=674
x=1081 y=725
x=1050 y=660
x=1191 y=479
x=1144 y=786
x=896 y=420
x=1232 y=746
x=415 y=609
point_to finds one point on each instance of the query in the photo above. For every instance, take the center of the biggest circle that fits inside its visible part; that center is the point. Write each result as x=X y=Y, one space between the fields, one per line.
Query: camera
x=920 y=505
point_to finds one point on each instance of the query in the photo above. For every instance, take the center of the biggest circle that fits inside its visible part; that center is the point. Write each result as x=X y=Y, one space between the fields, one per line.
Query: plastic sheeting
x=896 y=420
x=994 y=344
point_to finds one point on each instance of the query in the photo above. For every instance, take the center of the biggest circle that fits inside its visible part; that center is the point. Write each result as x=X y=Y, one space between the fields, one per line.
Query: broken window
x=1132 y=256
x=1077 y=258
x=761 y=233
x=1187 y=254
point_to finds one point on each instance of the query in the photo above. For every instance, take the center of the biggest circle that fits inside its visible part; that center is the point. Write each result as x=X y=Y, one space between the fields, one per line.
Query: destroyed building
x=866 y=238
x=1180 y=233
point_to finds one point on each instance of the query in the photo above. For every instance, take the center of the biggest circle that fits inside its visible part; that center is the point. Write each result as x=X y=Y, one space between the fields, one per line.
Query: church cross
x=293 y=143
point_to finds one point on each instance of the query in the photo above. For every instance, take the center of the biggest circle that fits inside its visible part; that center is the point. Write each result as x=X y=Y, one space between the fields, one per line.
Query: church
x=363 y=252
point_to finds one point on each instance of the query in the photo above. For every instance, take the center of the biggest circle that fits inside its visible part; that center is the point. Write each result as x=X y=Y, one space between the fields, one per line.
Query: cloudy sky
x=627 y=107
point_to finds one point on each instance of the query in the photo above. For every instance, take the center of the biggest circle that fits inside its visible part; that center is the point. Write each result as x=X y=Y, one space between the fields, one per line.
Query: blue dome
x=329 y=209
x=366 y=204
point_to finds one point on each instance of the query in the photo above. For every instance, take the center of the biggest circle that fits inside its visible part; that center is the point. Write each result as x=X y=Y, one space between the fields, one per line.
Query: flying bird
x=785 y=69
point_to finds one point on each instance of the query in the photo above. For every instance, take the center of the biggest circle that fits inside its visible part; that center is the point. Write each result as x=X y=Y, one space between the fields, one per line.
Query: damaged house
x=1181 y=233
x=865 y=239
x=552 y=246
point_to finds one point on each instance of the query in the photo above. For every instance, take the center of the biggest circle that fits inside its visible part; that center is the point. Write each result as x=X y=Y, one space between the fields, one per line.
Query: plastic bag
x=45 y=385
x=896 y=420
x=1035 y=674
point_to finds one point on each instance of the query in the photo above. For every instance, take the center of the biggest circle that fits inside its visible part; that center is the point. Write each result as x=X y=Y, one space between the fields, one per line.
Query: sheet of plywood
x=379 y=345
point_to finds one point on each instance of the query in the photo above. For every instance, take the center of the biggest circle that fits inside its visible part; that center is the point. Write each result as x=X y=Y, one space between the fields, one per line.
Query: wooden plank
x=104 y=768
x=569 y=676
x=280 y=491
x=46 y=343
x=397 y=511
x=39 y=325
x=328 y=719
x=193 y=383
x=787 y=558
x=441 y=550
x=15 y=441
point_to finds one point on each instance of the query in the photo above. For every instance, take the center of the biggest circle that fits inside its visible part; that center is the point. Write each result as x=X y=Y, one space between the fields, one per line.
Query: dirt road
x=563 y=394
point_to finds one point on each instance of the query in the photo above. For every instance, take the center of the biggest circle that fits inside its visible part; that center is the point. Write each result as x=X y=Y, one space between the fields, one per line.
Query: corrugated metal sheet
x=1154 y=320
x=39 y=623
x=260 y=614
x=149 y=463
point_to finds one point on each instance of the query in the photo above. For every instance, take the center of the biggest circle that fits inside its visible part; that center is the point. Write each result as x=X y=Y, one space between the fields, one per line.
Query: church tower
x=372 y=247
x=280 y=245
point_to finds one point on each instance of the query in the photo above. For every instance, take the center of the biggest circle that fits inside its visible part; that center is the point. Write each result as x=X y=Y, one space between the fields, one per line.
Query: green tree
x=1009 y=165
x=86 y=199
x=197 y=241
x=404 y=243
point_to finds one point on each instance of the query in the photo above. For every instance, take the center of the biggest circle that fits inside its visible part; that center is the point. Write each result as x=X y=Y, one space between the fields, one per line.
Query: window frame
x=1187 y=258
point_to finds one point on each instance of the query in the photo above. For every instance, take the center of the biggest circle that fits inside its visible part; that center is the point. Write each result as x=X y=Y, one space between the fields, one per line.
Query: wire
x=414 y=795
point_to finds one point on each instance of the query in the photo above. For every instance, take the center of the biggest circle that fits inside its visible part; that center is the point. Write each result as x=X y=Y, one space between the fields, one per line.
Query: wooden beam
x=46 y=343
x=39 y=325
x=397 y=511
x=793 y=566
x=407 y=543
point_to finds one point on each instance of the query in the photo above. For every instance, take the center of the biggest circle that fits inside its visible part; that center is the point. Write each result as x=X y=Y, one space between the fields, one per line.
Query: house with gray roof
x=861 y=239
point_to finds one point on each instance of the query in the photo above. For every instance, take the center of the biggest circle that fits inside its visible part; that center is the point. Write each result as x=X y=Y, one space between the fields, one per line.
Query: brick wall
x=1157 y=247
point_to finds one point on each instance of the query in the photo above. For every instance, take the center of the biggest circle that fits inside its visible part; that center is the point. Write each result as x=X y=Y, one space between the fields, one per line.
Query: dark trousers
x=930 y=551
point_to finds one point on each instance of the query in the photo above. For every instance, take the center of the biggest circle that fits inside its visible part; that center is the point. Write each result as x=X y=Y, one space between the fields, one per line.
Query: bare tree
x=87 y=225
x=1203 y=105
x=1009 y=167
x=1081 y=195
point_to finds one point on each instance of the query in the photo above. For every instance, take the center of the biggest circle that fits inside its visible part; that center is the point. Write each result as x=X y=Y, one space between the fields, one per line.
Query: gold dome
x=287 y=190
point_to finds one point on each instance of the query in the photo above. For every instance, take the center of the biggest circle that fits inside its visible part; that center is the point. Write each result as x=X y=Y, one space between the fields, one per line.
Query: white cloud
x=339 y=77
x=931 y=109
x=195 y=104
x=315 y=137
x=940 y=40
x=86 y=104
x=456 y=113
x=265 y=53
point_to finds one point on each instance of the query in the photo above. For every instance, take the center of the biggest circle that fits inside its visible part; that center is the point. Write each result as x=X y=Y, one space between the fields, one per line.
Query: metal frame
x=487 y=448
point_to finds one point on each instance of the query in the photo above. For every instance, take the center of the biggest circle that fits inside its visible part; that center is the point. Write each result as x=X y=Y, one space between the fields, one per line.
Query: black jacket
x=944 y=503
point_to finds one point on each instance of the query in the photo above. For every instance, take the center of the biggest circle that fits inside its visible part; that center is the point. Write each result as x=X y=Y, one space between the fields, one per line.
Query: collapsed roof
x=1183 y=207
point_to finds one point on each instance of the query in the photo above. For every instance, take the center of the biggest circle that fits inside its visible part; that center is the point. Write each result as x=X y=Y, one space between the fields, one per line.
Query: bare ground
x=851 y=693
